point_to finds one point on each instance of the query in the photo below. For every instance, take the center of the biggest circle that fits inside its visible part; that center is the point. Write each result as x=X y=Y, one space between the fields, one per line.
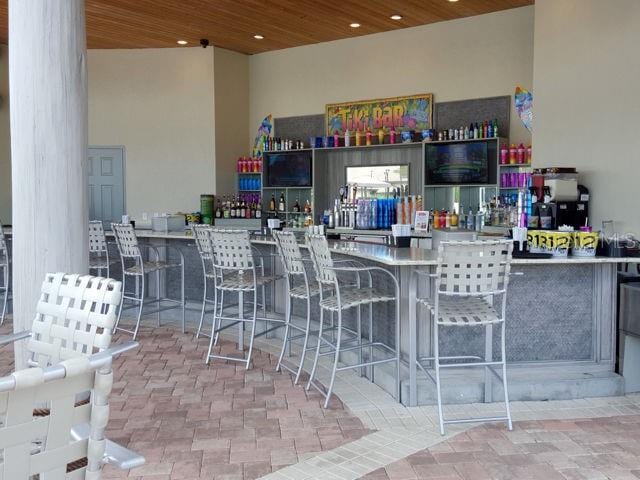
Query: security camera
x=204 y=42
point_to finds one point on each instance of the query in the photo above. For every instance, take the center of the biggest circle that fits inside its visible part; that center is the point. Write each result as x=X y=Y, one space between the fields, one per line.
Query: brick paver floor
x=217 y=422
x=599 y=448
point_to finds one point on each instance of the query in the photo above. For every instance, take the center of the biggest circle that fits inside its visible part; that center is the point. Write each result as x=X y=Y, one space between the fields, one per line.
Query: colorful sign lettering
x=402 y=113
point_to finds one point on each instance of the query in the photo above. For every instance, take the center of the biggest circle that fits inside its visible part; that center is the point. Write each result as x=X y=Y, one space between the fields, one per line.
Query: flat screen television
x=289 y=169
x=469 y=163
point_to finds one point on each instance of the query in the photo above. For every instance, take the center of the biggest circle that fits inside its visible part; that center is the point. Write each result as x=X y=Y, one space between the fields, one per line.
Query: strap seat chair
x=5 y=261
x=134 y=266
x=74 y=320
x=343 y=297
x=237 y=268
x=98 y=250
x=470 y=290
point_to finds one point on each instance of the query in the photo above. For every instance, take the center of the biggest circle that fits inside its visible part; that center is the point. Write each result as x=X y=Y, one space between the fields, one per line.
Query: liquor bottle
x=233 y=207
x=490 y=130
x=258 y=211
x=347 y=138
x=466 y=133
x=296 y=207
x=227 y=209
x=476 y=132
x=368 y=136
x=218 y=210
x=495 y=127
x=281 y=204
x=272 y=203
x=358 y=138
x=470 y=223
x=307 y=207
x=243 y=210
x=380 y=137
x=454 y=220
x=392 y=135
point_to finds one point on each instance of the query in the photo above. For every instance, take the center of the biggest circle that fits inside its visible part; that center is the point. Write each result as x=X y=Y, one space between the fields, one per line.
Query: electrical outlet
x=145 y=217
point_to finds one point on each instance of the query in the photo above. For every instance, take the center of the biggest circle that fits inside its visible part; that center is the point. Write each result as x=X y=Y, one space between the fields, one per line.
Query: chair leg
x=303 y=355
x=141 y=301
x=182 y=302
x=317 y=355
x=436 y=361
x=504 y=378
x=371 y=367
x=363 y=370
x=5 y=285
x=124 y=277
x=219 y=322
x=286 y=337
x=253 y=327
x=158 y=296
x=204 y=305
x=335 y=360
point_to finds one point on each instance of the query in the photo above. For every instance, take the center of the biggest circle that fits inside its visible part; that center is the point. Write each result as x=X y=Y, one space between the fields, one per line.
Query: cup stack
x=401 y=234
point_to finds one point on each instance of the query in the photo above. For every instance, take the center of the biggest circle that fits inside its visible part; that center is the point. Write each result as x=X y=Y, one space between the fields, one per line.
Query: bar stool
x=299 y=287
x=236 y=270
x=134 y=266
x=343 y=298
x=98 y=251
x=469 y=275
x=5 y=260
x=205 y=251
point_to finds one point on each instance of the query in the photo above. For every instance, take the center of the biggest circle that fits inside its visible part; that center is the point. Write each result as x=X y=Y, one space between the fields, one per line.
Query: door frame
x=124 y=169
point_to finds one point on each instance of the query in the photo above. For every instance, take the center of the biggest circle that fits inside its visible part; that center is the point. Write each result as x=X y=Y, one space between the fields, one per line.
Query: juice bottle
x=513 y=152
x=436 y=219
x=520 y=153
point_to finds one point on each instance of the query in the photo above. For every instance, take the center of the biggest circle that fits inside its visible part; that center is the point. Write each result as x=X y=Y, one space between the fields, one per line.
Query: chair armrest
x=516 y=274
x=14 y=337
x=114 y=454
x=369 y=270
x=119 y=348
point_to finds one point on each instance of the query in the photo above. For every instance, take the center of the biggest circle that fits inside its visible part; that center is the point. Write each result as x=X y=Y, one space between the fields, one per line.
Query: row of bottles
x=249 y=165
x=242 y=206
x=515 y=155
x=272 y=144
x=486 y=129
x=373 y=213
x=459 y=219
x=281 y=205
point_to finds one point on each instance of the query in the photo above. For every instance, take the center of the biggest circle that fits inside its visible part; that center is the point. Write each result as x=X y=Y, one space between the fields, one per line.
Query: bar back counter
x=561 y=323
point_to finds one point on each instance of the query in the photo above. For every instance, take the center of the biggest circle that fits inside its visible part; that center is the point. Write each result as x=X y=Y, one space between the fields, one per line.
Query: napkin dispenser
x=169 y=223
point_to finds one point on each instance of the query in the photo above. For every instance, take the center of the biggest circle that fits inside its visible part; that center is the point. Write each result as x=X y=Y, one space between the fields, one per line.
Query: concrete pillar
x=48 y=102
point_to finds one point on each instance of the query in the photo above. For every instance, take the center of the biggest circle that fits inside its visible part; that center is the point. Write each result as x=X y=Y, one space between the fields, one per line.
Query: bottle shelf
x=515 y=165
x=249 y=173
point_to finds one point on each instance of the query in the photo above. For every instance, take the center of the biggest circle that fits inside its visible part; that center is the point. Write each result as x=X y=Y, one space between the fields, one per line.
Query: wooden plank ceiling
x=232 y=24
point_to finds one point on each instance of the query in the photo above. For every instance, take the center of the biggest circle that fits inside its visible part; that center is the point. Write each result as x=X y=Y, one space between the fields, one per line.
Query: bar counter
x=561 y=320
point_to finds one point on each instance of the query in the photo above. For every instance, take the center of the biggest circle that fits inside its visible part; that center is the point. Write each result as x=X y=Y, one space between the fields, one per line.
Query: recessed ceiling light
x=453 y=1
x=396 y=17
x=182 y=42
x=354 y=25
x=258 y=37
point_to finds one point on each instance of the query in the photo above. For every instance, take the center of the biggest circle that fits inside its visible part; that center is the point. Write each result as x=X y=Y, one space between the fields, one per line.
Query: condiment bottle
x=513 y=151
x=520 y=153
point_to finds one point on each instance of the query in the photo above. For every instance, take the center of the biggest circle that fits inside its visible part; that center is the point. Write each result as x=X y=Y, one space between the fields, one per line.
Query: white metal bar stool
x=298 y=287
x=201 y=234
x=5 y=261
x=345 y=297
x=236 y=270
x=134 y=266
x=470 y=278
x=98 y=250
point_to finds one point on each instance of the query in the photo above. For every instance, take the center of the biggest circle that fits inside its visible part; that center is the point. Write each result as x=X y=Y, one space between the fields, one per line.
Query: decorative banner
x=403 y=113
x=264 y=130
x=524 y=106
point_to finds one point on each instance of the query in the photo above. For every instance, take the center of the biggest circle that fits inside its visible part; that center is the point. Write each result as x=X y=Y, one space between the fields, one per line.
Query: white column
x=48 y=102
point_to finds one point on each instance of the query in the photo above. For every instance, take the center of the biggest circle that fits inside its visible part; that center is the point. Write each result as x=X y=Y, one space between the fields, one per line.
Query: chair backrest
x=75 y=316
x=36 y=445
x=289 y=252
x=126 y=240
x=473 y=268
x=201 y=234
x=321 y=257
x=97 y=240
x=232 y=249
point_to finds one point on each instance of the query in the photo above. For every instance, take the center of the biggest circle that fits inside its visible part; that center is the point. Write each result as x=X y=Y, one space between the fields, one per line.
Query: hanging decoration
x=264 y=130
x=524 y=106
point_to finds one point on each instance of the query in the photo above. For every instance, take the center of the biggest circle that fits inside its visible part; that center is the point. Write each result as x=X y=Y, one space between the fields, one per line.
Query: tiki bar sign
x=402 y=113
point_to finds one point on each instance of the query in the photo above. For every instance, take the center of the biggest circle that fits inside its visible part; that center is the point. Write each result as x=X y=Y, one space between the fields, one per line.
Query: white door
x=106 y=184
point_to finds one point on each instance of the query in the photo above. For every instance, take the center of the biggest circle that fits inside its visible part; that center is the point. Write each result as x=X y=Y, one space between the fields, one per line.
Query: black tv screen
x=288 y=169
x=458 y=163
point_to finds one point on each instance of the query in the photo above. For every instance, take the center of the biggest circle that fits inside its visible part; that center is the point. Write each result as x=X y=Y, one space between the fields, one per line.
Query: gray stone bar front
x=560 y=326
